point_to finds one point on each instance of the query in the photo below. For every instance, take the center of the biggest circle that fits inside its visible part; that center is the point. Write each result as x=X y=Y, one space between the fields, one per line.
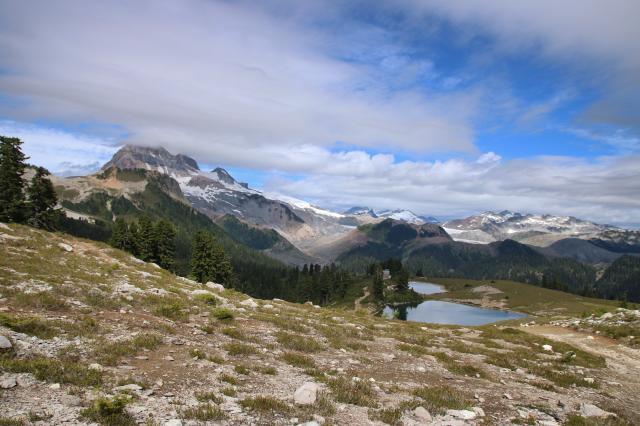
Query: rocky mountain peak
x=148 y=158
x=223 y=175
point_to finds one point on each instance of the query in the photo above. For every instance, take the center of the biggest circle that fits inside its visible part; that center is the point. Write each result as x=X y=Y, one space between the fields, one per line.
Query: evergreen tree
x=146 y=239
x=12 y=167
x=166 y=247
x=377 y=284
x=122 y=237
x=402 y=280
x=209 y=262
x=42 y=201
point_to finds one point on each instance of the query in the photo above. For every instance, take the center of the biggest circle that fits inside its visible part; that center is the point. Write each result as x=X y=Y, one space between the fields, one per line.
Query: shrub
x=438 y=399
x=357 y=392
x=298 y=343
x=298 y=360
x=222 y=314
x=53 y=370
x=109 y=412
x=265 y=404
x=240 y=349
x=203 y=412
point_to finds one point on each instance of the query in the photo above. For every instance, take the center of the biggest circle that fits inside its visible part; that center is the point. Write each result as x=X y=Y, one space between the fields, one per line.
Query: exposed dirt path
x=623 y=375
x=358 y=301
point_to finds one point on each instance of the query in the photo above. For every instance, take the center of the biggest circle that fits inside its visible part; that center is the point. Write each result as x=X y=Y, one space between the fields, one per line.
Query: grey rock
x=8 y=383
x=590 y=410
x=462 y=414
x=422 y=414
x=5 y=343
x=306 y=394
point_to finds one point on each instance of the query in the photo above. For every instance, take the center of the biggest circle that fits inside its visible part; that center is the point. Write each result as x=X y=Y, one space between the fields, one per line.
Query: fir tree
x=209 y=262
x=122 y=238
x=42 y=201
x=377 y=284
x=402 y=280
x=12 y=167
x=166 y=247
x=146 y=239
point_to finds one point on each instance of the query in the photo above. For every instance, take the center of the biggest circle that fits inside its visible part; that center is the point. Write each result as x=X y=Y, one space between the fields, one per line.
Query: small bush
x=207 y=299
x=203 y=413
x=228 y=379
x=222 y=314
x=31 y=326
x=208 y=397
x=174 y=310
x=109 y=412
x=229 y=391
x=241 y=369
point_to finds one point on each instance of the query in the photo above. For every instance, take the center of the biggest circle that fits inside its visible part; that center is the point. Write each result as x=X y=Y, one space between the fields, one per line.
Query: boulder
x=547 y=348
x=422 y=414
x=95 y=366
x=249 y=303
x=590 y=410
x=8 y=383
x=306 y=394
x=131 y=387
x=5 y=343
x=215 y=286
x=462 y=414
x=479 y=411
x=173 y=422
x=65 y=247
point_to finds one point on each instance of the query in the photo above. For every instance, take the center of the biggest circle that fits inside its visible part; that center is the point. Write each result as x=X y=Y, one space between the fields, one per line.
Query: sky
x=444 y=108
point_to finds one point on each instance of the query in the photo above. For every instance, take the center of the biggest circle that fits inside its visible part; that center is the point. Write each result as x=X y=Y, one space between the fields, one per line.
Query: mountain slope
x=88 y=325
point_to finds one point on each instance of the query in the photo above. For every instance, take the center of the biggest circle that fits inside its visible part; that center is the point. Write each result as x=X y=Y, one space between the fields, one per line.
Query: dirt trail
x=623 y=374
x=358 y=301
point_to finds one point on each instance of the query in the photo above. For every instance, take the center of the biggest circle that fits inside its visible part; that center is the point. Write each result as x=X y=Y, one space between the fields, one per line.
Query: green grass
x=438 y=399
x=228 y=379
x=222 y=314
x=30 y=325
x=208 y=396
x=358 y=392
x=203 y=412
x=298 y=343
x=53 y=370
x=235 y=349
x=298 y=360
x=6 y=421
x=110 y=353
x=109 y=412
x=266 y=404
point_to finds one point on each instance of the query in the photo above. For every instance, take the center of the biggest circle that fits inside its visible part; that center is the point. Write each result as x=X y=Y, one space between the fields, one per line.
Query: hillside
x=94 y=335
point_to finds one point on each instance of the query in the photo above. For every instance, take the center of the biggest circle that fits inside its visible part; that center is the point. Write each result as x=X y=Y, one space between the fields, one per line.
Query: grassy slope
x=190 y=348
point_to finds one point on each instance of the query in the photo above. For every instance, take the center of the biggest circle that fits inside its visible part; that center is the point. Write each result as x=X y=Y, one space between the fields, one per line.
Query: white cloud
x=605 y=190
x=217 y=80
x=61 y=152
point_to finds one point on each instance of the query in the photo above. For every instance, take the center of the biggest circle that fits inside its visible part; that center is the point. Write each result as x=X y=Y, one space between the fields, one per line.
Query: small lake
x=438 y=312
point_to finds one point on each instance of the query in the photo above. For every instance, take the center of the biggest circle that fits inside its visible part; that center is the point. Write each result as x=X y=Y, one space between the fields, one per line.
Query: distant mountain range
x=526 y=247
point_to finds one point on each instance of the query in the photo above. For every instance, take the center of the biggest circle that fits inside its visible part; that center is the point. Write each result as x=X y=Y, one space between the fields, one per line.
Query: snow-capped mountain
x=403 y=215
x=540 y=230
x=360 y=211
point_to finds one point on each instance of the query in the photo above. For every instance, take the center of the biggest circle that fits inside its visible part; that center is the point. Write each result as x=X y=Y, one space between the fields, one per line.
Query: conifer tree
x=166 y=244
x=209 y=262
x=41 y=202
x=377 y=284
x=122 y=238
x=12 y=167
x=402 y=280
x=147 y=239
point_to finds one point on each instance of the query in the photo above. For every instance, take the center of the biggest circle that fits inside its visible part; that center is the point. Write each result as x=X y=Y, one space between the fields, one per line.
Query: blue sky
x=446 y=108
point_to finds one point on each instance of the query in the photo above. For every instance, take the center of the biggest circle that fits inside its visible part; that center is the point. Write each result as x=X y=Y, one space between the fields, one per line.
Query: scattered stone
x=8 y=383
x=590 y=410
x=215 y=286
x=547 y=348
x=54 y=386
x=479 y=411
x=267 y=306
x=249 y=303
x=169 y=358
x=173 y=422
x=589 y=380
x=462 y=414
x=132 y=387
x=306 y=394
x=311 y=423
x=5 y=343
x=65 y=247
x=95 y=366
x=422 y=414
x=507 y=396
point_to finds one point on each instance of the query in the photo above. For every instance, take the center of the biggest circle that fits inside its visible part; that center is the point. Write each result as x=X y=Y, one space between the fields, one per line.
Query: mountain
x=360 y=211
x=538 y=230
x=403 y=215
x=621 y=280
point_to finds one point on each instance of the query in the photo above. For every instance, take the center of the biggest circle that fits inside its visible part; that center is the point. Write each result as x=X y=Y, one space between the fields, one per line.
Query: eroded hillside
x=94 y=335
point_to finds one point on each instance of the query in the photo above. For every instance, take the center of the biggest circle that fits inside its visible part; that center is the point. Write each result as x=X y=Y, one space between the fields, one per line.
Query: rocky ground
x=90 y=335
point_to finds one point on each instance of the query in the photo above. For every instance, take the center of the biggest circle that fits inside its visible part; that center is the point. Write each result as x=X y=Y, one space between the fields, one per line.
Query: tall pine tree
x=122 y=237
x=209 y=262
x=12 y=167
x=166 y=244
x=41 y=202
x=377 y=284
x=146 y=239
